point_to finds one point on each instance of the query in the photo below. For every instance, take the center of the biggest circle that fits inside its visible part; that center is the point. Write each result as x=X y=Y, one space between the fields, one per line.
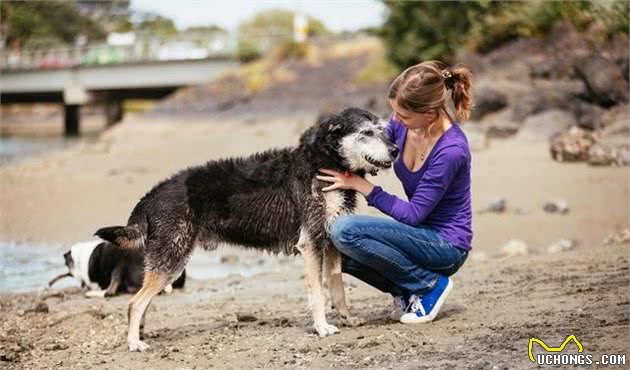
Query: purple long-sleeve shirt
x=438 y=193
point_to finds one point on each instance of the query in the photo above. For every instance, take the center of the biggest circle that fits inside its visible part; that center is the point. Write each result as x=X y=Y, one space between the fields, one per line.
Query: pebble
x=561 y=245
x=479 y=256
x=498 y=205
x=515 y=247
x=556 y=206
x=245 y=317
x=229 y=259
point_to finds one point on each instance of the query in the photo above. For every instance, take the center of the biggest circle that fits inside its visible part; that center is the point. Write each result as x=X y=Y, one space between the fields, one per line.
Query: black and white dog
x=106 y=269
x=269 y=201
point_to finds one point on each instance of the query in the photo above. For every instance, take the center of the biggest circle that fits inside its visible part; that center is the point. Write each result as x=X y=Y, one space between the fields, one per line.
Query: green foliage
x=46 y=22
x=213 y=28
x=416 y=31
x=247 y=51
x=158 y=26
x=278 y=22
x=291 y=50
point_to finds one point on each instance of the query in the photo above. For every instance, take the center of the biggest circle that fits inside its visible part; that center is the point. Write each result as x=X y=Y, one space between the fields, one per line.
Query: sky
x=337 y=15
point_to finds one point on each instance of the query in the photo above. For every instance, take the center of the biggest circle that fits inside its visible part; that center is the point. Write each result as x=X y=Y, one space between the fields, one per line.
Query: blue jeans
x=394 y=257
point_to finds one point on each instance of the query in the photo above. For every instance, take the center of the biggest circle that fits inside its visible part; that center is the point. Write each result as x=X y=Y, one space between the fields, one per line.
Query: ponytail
x=458 y=79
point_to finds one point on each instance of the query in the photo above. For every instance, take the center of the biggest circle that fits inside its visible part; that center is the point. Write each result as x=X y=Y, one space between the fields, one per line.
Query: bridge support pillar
x=71 y=117
x=113 y=111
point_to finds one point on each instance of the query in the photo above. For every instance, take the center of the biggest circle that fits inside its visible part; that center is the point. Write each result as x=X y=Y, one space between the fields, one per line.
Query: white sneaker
x=426 y=308
x=400 y=304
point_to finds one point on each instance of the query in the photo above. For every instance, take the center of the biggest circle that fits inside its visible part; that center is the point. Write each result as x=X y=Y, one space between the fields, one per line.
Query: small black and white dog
x=106 y=269
x=268 y=201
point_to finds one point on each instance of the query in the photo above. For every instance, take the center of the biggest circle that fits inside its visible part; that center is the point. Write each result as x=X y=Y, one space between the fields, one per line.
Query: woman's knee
x=341 y=230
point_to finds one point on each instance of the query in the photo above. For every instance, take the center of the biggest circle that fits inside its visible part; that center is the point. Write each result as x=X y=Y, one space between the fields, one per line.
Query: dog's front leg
x=114 y=283
x=332 y=274
x=313 y=277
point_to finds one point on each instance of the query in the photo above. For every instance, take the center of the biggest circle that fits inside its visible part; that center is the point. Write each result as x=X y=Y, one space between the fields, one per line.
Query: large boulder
x=588 y=116
x=543 y=126
x=613 y=147
x=487 y=100
x=548 y=94
x=605 y=154
x=572 y=145
x=500 y=125
x=604 y=80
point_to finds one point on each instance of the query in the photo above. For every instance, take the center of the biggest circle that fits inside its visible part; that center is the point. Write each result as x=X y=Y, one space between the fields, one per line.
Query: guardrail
x=150 y=51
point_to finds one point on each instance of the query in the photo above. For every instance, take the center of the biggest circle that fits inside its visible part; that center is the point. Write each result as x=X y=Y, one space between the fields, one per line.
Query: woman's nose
x=393 y=151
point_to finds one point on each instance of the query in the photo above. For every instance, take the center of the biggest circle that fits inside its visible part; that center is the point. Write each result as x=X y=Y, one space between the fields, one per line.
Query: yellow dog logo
x=552 y=349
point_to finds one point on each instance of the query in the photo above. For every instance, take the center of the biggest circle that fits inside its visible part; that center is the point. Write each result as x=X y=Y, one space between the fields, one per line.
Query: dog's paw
x=137 y=346
x=95 y=293
x=325 y=329
x=352 y=321
x=168 y=289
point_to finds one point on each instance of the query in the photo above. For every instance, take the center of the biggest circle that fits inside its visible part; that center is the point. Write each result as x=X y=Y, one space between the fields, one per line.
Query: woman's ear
x=432 y=115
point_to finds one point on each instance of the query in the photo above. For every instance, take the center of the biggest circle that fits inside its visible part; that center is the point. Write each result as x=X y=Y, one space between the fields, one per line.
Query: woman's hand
x=346 y=180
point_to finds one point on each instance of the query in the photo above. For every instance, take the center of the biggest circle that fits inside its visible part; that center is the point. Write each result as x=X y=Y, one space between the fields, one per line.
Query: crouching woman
x=427 y=237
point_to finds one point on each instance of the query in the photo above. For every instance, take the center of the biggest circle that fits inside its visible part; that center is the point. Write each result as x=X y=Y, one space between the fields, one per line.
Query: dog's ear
x=309 y=136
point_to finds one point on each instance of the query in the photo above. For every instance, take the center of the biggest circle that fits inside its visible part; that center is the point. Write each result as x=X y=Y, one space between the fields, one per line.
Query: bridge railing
x=149 y=51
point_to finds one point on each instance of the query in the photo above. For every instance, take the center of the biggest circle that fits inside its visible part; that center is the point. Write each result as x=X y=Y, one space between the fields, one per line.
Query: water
x=26 y=268
x=13 y=150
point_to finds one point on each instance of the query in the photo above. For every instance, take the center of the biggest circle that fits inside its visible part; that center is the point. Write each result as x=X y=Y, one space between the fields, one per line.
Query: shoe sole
x=411 y=318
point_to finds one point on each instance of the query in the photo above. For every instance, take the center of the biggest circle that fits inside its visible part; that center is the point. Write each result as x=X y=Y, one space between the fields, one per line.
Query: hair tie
x=449 y=81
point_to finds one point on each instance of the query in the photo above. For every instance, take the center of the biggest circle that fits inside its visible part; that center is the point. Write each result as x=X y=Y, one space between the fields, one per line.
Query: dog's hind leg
x=313 y=276
x=153 y=283
x=332 y=274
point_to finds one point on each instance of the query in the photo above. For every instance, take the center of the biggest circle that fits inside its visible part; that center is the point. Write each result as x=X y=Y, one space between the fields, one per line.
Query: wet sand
x=497 y=304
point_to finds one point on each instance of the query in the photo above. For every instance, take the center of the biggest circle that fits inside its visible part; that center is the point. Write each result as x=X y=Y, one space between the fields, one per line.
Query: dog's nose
x=393 y=151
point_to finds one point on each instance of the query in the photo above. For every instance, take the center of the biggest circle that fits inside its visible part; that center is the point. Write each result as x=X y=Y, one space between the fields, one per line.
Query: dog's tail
x=128 y=237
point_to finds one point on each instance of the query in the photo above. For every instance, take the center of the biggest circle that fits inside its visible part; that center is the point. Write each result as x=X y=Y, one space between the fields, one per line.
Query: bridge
x=109 y=84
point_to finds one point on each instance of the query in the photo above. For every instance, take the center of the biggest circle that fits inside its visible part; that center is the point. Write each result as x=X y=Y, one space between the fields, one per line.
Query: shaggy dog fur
x=269 y=201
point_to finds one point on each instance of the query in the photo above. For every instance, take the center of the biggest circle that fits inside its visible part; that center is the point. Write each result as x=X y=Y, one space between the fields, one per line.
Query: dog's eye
x=368 y=133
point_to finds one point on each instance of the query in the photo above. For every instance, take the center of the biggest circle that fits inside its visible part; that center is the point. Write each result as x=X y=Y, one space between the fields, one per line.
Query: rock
x=613 y=147
x=500 y=125
x=604 y=80
x=478 y=256
x=477 y=138
x=546 y=125
x=546 y=95
x=230 y=259
x=55 y=347
x=496 y=206
x=245 y=317
x=41 y=307
x=515 y=247
x=588 y=116
x=561 y=245
x=487 y=100
x=603 y=154
x=556 y=206
x=572 y=145
x=618 y=238
x=8 y=357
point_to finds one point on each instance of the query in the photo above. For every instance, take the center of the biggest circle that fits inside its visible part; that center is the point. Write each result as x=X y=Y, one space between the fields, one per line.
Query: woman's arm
x=430 y=190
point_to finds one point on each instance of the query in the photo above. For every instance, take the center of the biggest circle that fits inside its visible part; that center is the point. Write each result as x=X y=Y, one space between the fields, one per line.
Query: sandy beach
x=499 y=302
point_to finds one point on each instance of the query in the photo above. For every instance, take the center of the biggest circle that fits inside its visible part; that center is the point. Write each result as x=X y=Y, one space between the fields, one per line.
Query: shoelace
x=415 y=304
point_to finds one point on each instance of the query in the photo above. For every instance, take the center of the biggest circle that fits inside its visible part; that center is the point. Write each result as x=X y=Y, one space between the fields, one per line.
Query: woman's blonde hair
x=425 y=86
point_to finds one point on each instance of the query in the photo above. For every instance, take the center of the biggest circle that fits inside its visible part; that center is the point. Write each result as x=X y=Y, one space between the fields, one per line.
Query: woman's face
x=412 y=120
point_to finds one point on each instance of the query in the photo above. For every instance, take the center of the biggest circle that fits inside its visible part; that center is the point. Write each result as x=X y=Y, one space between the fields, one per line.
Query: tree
x=279 y=23
x=416 y=31
x=29 y=22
